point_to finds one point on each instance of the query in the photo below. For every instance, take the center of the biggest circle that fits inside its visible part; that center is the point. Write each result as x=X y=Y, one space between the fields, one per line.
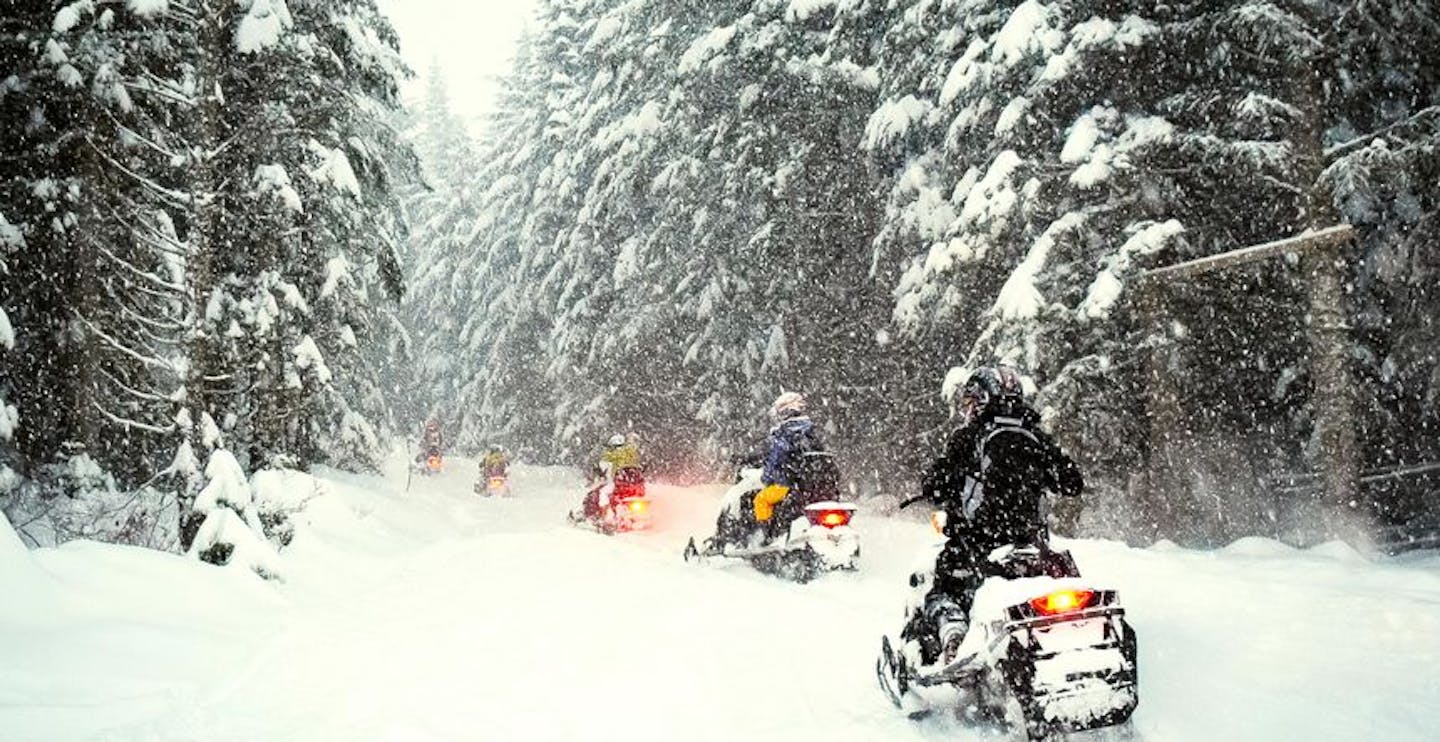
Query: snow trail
x=435 y=614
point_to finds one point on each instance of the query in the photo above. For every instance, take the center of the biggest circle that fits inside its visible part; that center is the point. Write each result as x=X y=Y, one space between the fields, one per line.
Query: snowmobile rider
x=621 y=453
x=431 y=439
x=791 y=441
x=990 y=481
x=495 y=463
x=619 y=460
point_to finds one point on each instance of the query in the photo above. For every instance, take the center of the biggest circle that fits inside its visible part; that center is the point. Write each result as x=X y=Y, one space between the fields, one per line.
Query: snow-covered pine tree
x=507 y=262
x=1082 y=137
x=355 y=224
x=770 y=122
x=97 y=274
x=11 y=240
x=295 y=230
x=441 y=210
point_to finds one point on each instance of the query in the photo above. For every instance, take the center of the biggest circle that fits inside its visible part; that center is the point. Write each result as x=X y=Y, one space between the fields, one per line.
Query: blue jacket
x=786 y=439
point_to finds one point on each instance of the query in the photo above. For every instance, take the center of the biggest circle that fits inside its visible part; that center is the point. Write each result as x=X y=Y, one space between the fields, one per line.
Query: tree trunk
x=1335 y=455
x=1163 y=486
x=202 y=236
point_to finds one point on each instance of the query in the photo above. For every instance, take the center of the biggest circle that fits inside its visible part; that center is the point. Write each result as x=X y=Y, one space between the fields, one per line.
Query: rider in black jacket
x=990 y=482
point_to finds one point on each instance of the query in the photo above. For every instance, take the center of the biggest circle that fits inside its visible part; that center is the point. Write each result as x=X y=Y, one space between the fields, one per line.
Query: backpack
x=973 y=494
x=815 y=474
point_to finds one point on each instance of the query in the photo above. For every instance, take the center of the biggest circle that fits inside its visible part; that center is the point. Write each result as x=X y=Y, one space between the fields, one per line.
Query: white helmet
x=616 y=441
x=787 y=405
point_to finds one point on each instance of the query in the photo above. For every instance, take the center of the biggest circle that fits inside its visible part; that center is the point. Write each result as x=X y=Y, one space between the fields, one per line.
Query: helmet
x=989 y=388
x=494 y=448
x=788 y=405
x=615 y=441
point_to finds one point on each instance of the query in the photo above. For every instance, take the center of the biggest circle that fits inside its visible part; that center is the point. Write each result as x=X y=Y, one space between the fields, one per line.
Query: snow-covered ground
x=436 y=615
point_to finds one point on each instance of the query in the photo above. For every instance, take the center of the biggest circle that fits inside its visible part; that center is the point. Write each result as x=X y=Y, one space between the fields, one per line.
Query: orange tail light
x=1063 y=601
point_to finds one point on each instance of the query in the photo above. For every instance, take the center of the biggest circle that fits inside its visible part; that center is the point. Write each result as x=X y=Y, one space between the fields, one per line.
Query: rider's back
x=798 y=459
x=995 y=473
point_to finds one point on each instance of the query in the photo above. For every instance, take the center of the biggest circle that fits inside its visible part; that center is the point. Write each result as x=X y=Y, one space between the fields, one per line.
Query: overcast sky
x=472 y=40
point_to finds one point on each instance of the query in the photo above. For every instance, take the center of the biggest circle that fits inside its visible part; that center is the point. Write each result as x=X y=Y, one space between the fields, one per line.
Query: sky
x=473 y=41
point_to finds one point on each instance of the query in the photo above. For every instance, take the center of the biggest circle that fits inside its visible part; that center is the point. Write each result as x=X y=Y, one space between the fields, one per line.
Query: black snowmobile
x=1046 y=653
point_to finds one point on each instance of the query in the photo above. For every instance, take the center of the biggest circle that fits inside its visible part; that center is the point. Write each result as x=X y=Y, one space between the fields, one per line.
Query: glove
x=767 y=499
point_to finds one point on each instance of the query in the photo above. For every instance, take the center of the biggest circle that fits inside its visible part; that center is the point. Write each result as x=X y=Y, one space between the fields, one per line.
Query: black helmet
x=991 y=388
x=494 y=448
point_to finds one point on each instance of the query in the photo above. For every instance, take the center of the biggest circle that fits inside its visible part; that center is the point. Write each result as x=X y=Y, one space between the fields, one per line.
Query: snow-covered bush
x=77 y=499
x=231 y=533
x=279 y=495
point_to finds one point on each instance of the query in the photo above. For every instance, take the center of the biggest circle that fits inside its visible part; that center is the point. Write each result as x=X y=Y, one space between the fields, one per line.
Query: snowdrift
x=433 y=614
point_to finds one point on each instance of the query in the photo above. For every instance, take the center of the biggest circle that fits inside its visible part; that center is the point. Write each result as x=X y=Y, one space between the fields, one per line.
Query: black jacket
x=994 y=473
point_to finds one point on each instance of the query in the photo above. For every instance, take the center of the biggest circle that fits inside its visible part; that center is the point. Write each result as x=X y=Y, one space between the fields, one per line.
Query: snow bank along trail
x=434 y=614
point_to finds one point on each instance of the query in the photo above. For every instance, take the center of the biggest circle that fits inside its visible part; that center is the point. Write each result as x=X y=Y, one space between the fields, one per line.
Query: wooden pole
x=1162 y=486
x=1337 y=455
x=1323 y=239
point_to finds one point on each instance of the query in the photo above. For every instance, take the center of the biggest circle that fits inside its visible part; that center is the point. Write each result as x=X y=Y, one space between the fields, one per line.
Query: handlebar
x=911 y=501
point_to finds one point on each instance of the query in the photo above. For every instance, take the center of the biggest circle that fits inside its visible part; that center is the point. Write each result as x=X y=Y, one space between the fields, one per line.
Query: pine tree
x=95 y=369
x=295 y=233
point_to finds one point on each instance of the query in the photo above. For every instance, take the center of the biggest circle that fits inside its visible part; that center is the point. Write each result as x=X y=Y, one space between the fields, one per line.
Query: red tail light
x=830 y=518
x=1063 y=601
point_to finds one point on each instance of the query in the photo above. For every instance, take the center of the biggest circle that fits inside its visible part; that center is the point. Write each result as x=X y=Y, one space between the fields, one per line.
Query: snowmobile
x=1046 y=653
x=627 y=508
x=801 y=541
x=430 y=463
x=497 y=484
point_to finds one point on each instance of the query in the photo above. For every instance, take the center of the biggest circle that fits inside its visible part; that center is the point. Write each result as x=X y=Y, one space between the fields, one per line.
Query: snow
x=705 y=48
x=893 y=119
x=1105 y=290
x=274 y=179
x=10 y=235
x=1027 y=29
x=627 y=263
x=12 y=549
x=337 y=272
x=992 y=198
x=229 y=504
x=308 y=356
x=1097 y=170
x=802 y=10
x=605 y=31
x=68 y=17
x=226 y=486
x=1019 y=298
x=431 y=614
x=210 y=436
x=334 y=168
x=7 y=331
x=777 y=351
x=955 y=380
x=9 y=421
x=147 y=8
x=1011 y=114
x=963 y=74
x=1084 y=133
x=263 y=25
